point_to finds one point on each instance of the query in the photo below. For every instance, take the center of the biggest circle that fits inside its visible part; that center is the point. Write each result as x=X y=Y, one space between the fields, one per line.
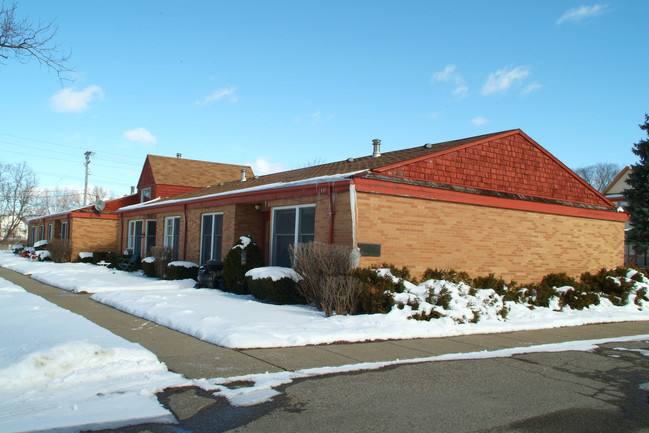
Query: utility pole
x=85 y=190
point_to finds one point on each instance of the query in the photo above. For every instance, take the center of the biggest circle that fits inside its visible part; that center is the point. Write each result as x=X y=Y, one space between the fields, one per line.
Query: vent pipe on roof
x=243 y=174
x=377 y=148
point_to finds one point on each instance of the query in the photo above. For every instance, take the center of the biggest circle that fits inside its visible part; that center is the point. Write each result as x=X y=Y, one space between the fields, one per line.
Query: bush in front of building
x=375 y=294
x=60 y=250
x=325 y=280
x=148 y=266
x=182 y=271
x=612 y=284
x=281 y=291
x=161 y=258
x=106 y=257
x=242 y=257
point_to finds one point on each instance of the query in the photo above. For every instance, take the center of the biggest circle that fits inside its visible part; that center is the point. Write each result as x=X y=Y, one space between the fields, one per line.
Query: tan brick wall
x=518 y=245
x=93 y=235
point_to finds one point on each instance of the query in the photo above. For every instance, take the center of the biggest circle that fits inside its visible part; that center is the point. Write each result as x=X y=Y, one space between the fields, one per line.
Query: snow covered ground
x=72 y=373
x=237 y=321
x=60 y=371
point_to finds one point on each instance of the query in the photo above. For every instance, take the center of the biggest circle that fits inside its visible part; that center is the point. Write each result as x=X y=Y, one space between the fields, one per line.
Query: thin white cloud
x=500 y=81
x=315 y=118
x=581 y=13
x=448 y=75
x=71 y=100
x=478 y=121
x=227 y=92
x=263 y=166
x=530 y=88
x=140 y=135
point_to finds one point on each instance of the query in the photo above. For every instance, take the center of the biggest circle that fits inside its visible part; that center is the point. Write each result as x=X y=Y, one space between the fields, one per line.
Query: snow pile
x=86 y=277
x=61 y=371
x=182 y=264
x=40 y=243
x=245 y=241
x=275 y=273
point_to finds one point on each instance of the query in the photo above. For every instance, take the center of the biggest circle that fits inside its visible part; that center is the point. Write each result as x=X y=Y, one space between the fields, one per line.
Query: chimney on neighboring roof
x=377 y=148
x=243 y=174
x=179 y=155
x=132 y=190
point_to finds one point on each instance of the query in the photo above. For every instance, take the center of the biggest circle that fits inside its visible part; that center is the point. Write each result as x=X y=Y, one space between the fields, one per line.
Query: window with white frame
x=145 y=194
x=211 y=236
x=172 y=235
x=41 y=231
x=64 y=230
x=134 y=244
x=291 y=225
x=32 y=236
x=50 y=231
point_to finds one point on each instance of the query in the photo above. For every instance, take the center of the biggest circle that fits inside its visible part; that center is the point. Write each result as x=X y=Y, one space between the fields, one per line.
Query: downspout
x=121 y=235
x=353 y=205
x=332 y=212
x=185 y=231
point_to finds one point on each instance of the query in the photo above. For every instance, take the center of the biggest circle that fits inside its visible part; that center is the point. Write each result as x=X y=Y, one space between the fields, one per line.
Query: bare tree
x=17 y=196
x=599 y=175
x=22 y=41
x=58 y=199
x=100 y=193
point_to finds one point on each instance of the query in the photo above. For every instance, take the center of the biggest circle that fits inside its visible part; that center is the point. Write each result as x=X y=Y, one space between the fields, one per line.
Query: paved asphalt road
x=544 y=392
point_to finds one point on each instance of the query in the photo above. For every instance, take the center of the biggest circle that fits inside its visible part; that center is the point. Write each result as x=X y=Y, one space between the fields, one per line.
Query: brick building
x=96 y=228
x=494 y=203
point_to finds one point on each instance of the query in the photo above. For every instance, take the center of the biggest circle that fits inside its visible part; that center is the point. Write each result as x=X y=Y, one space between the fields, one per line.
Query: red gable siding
x=513 y=164
x=146 y=177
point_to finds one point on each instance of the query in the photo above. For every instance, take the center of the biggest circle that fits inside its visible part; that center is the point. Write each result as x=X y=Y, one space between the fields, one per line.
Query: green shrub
x=641 y=295
x=107 y=257
x=616 y=290
x=578 y=300
x=445 y=274
x=148 y=266
x=559 y=280
x=234 y=268
x=515 y=294
x=422 y=315
x=403 y=273
x=490 y=282
x=539 y=295
x=182 y=271
x=282 y=291
x=442 y=299
x=375 y=291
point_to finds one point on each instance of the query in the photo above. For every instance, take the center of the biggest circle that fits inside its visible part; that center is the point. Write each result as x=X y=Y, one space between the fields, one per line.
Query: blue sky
x=281 y=85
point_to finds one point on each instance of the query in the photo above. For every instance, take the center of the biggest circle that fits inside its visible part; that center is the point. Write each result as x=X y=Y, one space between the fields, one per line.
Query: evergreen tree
x=637 y=195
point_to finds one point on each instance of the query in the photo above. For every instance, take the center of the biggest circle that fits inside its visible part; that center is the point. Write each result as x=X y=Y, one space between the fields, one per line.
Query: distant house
x=96 y=228
x=615 y=193
x=497 y=203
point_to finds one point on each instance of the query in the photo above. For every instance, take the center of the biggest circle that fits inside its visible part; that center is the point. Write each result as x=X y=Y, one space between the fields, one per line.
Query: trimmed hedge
x=182 y=271
x=282 y=291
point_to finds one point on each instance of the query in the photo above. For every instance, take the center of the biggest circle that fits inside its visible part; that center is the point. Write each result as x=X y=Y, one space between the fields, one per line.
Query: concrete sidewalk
x=197 y=359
